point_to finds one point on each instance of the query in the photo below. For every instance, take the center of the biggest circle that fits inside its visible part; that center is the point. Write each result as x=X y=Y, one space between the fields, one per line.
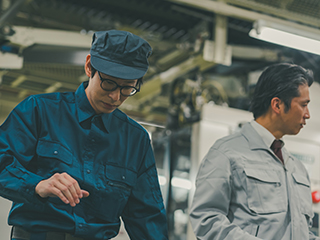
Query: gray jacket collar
x=256 y=143
x=254 y=139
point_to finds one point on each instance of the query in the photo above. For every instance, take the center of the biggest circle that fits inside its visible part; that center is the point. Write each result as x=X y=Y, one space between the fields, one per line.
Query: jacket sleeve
x=144 y=215
x=210 y=208
x=312 y=236
x=18 y=140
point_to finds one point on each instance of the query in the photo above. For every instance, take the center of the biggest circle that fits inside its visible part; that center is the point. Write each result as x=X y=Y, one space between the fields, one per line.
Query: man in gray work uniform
x=248 y=186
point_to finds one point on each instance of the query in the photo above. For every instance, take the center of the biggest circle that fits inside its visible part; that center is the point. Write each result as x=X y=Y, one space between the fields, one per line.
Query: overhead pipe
x=224 y=9
x=9 y=14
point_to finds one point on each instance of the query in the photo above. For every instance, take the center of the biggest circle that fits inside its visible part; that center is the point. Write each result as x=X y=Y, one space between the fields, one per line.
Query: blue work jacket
x=110 y=156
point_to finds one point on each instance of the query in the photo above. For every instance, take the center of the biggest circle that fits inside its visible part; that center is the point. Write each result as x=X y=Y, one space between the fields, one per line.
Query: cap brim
x=117 y=70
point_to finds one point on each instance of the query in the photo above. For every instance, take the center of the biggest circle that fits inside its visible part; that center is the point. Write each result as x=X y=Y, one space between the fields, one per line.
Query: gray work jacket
x=244 y=192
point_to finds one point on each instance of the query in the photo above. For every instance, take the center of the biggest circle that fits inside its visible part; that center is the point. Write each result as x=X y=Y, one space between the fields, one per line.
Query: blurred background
x=207 y=56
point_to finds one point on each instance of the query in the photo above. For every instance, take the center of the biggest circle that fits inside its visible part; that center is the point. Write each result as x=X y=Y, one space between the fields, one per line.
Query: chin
x=108 y=111
x=296 y=132
x=293 y=132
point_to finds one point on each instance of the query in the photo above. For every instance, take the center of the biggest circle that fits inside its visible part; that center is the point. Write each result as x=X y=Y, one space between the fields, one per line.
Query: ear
x=276 y=105
x=87 y=66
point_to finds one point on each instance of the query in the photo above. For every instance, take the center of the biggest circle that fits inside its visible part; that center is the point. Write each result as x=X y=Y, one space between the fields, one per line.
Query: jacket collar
x=254 y=139
x=84 y=109
x=256 y=143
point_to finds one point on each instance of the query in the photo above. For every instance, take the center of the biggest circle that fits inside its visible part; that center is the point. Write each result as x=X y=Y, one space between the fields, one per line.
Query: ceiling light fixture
x=287 y=36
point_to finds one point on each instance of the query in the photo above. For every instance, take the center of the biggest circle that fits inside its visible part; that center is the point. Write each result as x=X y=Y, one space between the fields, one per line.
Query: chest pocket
x=53 y=157
x=117 y=184
x=265 y=192
x=304 y=193
x=120 y=178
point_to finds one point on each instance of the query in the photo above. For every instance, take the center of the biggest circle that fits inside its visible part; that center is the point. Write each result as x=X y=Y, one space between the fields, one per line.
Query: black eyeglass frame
x=118 y=86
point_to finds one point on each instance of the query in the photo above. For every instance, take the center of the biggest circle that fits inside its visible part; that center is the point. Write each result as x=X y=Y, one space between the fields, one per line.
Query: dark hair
x=139 y=82
x=280 y=80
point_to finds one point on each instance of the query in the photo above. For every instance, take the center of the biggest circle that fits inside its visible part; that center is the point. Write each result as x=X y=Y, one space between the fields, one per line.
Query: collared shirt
x=110 y=156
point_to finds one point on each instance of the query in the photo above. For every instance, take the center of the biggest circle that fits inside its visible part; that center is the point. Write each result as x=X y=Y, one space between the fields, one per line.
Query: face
x=104 y=101
x=294 y=119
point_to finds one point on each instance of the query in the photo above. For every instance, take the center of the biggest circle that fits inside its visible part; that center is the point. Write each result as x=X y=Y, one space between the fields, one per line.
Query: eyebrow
x=306 y=101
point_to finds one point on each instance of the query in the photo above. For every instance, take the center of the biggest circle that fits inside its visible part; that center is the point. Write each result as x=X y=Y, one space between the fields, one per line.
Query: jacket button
x=55 y=152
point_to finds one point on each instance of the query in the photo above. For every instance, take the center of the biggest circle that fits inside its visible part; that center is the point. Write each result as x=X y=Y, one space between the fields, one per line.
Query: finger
x=58 y=193
x=85 y=193
x=76 y=190
x=63 y=189
x=72 y=185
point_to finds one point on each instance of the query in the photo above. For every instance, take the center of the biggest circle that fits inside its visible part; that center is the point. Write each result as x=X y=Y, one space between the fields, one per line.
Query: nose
x=115 y=94
x=307 y=114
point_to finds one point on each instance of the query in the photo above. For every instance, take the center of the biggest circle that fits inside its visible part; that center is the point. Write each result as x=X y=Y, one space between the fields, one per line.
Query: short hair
x=280 y=80
x=93 y=72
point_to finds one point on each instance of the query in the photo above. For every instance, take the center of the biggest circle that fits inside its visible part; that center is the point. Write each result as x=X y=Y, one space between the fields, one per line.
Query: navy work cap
x=120 y=54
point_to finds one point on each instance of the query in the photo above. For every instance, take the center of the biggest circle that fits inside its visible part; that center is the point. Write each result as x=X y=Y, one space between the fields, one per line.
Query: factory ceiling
x=43 y=44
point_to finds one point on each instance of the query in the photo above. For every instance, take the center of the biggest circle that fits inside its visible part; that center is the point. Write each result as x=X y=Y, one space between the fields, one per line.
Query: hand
x=63 y=186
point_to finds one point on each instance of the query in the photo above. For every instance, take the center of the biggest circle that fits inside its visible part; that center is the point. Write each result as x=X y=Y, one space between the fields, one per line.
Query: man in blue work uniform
x=73 y=163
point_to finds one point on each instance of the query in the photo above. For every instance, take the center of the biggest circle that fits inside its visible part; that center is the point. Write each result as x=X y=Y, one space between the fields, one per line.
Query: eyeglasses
x=110 y=85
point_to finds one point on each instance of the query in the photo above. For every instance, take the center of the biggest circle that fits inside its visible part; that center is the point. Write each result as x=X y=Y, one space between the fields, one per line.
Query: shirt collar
x=266 y=136
x=86 y=111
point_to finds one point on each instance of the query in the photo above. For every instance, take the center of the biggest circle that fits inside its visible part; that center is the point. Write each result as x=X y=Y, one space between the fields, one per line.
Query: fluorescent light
x=181 y=183
x=162 y=180
x=176 y=182
x=287 y=36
